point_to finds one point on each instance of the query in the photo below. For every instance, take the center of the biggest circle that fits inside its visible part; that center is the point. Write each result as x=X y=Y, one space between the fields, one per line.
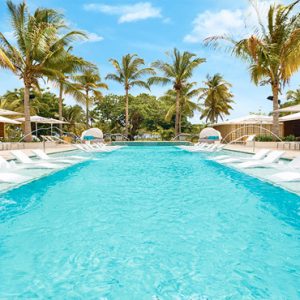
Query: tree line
x=43 y=49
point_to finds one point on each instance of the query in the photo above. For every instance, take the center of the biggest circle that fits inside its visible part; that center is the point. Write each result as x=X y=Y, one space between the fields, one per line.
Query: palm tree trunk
x=275 y=91
x=87 y=109
x=179 y=125
x=60 y=105
x=126 y=114
x=27 y=123
x=177 y=121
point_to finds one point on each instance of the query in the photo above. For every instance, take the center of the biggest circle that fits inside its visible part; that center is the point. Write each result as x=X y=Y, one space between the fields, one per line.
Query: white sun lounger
x=205 y=147
x=12 y=178
x=195 y=148
x=293 y=164
x=258 y=156
x=44 y=156
x=26 y=160
x=268 y=161
x=285 y=177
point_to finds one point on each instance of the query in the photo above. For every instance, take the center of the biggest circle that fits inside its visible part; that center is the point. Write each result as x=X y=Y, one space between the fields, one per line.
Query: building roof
x=250 y=119
x=294 y=108
x=291 y=117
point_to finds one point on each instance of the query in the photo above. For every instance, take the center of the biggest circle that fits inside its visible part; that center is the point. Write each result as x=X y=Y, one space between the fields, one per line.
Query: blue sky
x=150 y=28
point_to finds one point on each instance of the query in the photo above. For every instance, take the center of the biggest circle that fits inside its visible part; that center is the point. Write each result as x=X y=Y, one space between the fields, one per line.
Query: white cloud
x=127 y=13
x=226 y=22
x=93 y=37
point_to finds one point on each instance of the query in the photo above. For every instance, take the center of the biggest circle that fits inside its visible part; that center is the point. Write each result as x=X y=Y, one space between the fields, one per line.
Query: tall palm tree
x=187 y=105
x=40 y=44
x=217 y=98
x=86 y=89
x=178 y=72
x=129 y=73
x=273 y=51
x=72 y=64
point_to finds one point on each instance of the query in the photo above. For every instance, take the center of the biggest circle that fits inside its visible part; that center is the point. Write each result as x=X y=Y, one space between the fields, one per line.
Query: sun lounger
x=293 y=164
x=202 y=148
x=268 y=161
x=12 y=178
x=26 y=160
x=258 y=156
x=44 y=156
x=286 y=177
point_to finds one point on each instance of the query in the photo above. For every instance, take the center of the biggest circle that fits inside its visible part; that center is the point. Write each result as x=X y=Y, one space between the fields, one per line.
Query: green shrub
x=290 y=138
x=265 y=138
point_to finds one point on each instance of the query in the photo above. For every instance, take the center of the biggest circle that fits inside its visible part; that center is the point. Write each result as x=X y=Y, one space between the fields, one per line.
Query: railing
x=243 y=128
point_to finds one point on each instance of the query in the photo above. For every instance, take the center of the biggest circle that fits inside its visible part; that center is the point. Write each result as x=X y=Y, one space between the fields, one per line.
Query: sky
x=150 y=29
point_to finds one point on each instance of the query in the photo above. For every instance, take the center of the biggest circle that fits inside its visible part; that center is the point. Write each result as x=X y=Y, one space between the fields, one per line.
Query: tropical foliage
x=86 y=89
x=272 y=51
x=187 y=107
x=129 y=73
x=41 y=39
x=217 y=98
x=177 y=73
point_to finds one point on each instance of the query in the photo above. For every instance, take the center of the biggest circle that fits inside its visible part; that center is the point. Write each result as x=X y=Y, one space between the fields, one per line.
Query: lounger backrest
x=261 y=154
x=273 y=157
x=295 y=163
x=40 y=153
x=213 y=147
x=21 y=156
x=4 y=163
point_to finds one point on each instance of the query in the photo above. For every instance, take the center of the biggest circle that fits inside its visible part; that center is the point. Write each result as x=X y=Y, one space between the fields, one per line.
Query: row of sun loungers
x=9 y=169
x=203 y=147
x=96 y=147
x=266 y=158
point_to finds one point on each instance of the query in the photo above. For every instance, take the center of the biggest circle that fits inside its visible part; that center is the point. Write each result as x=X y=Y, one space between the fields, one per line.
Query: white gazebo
x=91 y=134
x=42 y=120
x=5 y=112
x=210 y=134
x=3 y=121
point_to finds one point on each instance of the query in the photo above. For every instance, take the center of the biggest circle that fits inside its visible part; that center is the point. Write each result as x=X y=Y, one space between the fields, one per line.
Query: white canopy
x=294 y=108
x=209 y=132
x=92 y=133
x=5 y=112
x=8 y=121
x=290 y=117
x=250 y=119
x=39 y=119
x=42 y=120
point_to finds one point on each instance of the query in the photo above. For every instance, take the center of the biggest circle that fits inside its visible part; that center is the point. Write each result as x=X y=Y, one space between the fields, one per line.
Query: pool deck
x=52 y=148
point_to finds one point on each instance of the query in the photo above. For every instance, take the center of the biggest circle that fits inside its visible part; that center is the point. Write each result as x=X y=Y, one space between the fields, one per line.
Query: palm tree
x=5 y=62
x=86 y=89
x=217 y=98
x=273 y=51
x=293 y=96
x=40 y=44
x=177 y=73
x=129 y=73
x=187 y=105
x=71 y=65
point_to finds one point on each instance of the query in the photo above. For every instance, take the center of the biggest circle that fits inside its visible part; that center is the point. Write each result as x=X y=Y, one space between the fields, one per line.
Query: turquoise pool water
x=149 y=223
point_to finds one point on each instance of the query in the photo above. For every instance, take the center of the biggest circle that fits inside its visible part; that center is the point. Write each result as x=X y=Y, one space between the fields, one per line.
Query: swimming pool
x=149 y=223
